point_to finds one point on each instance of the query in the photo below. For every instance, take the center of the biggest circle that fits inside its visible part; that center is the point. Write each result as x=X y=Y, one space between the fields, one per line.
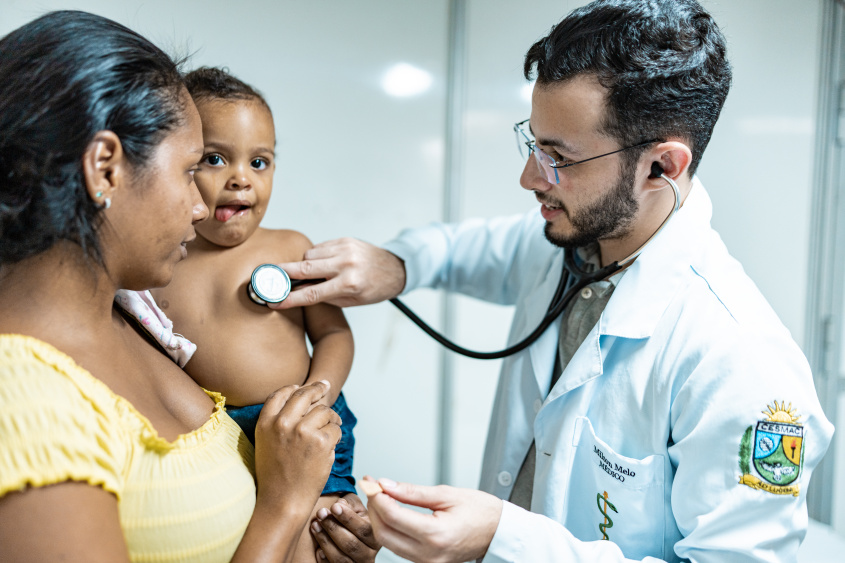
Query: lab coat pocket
x=613 y=497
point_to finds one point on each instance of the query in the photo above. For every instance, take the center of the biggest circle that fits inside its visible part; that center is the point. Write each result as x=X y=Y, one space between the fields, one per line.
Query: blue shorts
x=340 y=480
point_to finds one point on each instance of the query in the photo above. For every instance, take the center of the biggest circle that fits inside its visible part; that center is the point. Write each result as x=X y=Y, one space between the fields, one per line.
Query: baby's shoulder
x=287 y=244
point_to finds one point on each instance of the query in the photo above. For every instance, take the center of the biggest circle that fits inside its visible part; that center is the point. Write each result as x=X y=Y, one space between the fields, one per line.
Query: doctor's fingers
x=400 y=543
x=396 y=519
x=359 y=273
x=324 y=260
x=438 y=497
x=334 y=291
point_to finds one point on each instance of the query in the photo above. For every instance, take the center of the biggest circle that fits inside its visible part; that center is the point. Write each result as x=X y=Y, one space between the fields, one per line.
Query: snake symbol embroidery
x=608 y=523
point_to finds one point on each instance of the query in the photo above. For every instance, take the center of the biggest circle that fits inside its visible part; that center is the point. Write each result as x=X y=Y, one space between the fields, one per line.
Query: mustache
x=551 y=202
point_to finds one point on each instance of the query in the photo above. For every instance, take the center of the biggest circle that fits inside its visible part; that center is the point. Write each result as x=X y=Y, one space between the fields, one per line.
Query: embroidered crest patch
x=771 y=453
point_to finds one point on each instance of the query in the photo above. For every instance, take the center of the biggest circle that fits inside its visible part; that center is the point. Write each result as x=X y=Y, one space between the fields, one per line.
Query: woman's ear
x=671 y=158
x=104 y=166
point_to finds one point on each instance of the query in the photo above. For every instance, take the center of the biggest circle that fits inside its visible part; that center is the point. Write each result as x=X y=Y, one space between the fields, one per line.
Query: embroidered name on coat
x=771 y=453
x=615 y=470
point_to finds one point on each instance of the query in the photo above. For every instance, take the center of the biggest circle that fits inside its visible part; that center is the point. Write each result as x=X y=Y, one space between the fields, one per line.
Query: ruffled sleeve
x=56 y=423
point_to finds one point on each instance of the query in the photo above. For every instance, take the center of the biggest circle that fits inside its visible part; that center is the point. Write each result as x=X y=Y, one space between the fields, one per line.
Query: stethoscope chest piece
x=268 y=284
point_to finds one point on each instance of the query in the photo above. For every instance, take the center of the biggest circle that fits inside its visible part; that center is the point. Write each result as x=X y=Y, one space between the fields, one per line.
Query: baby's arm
x=331 y=341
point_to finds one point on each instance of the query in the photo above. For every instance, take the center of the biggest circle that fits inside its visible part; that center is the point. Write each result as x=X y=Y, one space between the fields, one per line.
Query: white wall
x=353 y=161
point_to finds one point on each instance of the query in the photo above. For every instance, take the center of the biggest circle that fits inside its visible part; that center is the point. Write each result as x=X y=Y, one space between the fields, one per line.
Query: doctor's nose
x=532 y=178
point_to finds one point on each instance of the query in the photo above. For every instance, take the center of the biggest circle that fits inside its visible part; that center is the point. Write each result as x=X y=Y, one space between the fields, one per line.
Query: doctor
x=668 y=415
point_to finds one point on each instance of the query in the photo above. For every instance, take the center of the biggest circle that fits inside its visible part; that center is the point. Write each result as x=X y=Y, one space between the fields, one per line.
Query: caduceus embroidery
x=608 y=523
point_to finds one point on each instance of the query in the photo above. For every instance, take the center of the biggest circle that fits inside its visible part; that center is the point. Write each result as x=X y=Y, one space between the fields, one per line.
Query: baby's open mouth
x=225 y=212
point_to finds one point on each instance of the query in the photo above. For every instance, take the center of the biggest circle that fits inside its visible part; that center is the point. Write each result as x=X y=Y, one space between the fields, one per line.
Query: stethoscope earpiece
x=656 y=170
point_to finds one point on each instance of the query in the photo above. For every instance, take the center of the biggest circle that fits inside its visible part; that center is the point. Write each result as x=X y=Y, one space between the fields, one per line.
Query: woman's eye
x=258 y=164
x=213 y=160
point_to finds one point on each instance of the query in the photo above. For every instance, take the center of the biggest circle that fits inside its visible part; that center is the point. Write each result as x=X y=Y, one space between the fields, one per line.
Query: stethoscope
x=271 y=284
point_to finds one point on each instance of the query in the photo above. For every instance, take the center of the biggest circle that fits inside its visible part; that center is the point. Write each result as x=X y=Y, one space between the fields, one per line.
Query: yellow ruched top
x=186 y=500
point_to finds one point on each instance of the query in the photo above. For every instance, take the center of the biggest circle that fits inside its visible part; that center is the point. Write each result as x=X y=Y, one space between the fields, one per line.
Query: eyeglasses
x=547 y=165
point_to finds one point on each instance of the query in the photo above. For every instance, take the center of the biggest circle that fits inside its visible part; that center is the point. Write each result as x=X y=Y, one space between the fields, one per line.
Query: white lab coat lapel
x=643 y=293
x=543 y=351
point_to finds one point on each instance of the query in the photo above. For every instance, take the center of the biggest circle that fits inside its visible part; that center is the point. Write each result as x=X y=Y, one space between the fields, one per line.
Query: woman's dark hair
x=664 y=63
x=66 y=76
x=210 y=83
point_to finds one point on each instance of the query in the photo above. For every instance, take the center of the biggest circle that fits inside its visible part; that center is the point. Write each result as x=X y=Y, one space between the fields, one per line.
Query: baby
x=246 y=350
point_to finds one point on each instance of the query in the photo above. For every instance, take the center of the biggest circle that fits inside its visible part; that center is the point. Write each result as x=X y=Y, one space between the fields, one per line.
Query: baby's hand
x=344 y=532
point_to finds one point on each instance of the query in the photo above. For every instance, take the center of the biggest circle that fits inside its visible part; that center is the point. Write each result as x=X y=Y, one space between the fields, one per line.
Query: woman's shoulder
x=57 y=421
x=30 y=366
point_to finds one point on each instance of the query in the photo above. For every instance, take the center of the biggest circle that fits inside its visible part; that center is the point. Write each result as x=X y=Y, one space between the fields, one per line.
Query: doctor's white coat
x=686 y=426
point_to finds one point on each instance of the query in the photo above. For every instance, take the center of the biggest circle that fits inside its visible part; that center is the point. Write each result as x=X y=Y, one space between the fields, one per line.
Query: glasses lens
x=545 y=164
x=525 y=142
x=522 y=138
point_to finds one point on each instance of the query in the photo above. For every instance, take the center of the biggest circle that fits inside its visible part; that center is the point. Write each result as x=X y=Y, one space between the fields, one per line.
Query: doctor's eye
x=557 y=157
x=213 y=160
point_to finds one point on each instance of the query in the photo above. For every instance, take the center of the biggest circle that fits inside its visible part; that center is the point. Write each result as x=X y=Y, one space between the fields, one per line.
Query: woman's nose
x=200 y=210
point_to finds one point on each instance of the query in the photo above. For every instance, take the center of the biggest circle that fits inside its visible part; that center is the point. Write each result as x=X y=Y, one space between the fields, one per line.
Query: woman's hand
x=345 y=534
x=294 y=451
x=356 y=273
x=294 y=447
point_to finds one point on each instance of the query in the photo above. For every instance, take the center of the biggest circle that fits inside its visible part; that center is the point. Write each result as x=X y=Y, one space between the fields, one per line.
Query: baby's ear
x=104 y=167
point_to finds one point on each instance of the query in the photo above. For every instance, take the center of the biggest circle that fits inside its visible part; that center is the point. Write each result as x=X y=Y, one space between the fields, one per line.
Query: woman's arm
x=294 y=450
x=75 y=521
x=70 y=521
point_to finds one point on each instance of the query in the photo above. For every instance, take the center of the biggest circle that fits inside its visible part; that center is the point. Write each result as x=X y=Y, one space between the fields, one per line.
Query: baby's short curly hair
x=211 y=83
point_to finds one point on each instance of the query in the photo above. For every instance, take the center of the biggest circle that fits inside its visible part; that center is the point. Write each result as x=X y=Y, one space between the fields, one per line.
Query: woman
x=108 y=450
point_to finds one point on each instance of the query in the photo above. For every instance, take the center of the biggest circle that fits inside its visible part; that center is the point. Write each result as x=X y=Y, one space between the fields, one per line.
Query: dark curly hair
x=664 y=63
x=211 y=83
x=66 y=76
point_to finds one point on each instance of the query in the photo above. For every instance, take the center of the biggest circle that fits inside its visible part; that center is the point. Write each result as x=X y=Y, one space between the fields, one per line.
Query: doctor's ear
x=104 y=167
x=671 y=158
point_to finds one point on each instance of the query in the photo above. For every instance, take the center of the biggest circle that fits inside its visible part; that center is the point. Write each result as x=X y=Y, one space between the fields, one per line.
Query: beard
x=609 y=217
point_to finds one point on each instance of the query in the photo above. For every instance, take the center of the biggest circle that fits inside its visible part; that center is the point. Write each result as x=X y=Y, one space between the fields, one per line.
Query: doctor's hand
x=356 y=273
x=460 y=527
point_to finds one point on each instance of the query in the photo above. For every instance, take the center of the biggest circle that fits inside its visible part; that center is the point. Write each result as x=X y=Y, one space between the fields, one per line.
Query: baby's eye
x=213 y=160
x=258 y=164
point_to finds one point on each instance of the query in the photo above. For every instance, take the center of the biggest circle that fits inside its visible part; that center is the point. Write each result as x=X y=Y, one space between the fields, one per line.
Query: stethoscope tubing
x=555 y=309
x=557 y=304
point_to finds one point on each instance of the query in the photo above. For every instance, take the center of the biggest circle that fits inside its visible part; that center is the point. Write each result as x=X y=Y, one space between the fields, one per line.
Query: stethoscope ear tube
x=555 y=309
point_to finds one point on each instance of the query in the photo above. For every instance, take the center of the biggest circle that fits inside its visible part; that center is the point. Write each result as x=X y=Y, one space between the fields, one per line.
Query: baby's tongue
x=224 y=212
